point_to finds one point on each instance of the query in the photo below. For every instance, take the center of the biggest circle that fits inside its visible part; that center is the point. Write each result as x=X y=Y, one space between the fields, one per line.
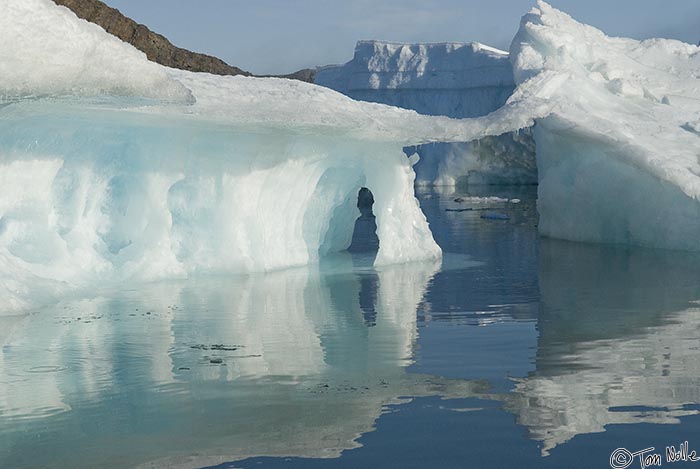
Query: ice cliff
x=450 y=79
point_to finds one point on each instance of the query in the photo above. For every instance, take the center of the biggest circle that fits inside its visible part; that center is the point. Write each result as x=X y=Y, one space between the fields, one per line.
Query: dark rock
x=307 y=74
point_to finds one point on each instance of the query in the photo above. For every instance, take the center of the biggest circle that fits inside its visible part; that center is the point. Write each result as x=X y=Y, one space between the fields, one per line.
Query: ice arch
x=107 y=196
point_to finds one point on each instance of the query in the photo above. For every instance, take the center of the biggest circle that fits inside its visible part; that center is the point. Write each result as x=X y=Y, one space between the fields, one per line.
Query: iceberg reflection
x=212 y=370
x=618 y=342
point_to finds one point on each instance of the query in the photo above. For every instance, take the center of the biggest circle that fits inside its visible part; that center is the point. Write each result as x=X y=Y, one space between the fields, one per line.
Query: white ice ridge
x=208 y=174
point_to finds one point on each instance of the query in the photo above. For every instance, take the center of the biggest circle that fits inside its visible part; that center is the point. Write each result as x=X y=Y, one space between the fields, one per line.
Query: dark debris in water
x=218 y=347
x=81 y=319
x=345 y=387
x=469 y=209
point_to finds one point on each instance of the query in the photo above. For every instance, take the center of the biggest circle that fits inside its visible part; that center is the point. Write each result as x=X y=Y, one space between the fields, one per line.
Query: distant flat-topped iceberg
x=446 y=79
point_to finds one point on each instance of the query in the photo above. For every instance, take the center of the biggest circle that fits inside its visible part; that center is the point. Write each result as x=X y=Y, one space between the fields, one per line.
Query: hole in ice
x=364 y=236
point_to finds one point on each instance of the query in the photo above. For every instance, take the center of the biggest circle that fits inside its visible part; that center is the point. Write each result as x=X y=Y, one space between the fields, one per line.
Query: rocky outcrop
x=156 y=47
x=307 y=74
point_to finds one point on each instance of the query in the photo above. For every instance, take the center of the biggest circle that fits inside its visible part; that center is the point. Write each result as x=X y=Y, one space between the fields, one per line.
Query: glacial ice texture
x=507 y=159
x=95 y=195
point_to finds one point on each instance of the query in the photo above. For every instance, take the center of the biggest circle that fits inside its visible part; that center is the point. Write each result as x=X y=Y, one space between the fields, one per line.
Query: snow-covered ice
x=47 y=51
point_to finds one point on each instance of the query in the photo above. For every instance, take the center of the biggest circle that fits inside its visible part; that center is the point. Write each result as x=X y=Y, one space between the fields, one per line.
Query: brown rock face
x=156 y=47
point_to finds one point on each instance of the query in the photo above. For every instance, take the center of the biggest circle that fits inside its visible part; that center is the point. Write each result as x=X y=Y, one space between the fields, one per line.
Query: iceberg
x=617 y=156
x=115 y=169
x=450 y=79
x=303 y=374
x=617 y=149
x=446 y=79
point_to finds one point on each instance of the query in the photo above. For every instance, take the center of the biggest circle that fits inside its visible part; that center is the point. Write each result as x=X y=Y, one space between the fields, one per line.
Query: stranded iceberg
x=114 y=168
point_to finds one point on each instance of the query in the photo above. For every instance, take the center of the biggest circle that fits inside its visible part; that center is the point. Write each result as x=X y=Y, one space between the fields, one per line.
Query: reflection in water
x=505 y=285
x=364 y=236
x=618 y=341
x=197 y=373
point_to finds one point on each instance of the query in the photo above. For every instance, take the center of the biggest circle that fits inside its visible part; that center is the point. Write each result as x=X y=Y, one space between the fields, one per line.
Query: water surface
x=514 y=351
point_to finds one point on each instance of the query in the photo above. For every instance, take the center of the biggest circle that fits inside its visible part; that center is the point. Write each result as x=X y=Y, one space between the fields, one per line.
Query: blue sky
x=281 y=36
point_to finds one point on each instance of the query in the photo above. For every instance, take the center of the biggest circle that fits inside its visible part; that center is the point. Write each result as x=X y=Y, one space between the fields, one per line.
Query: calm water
x=514 y=352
